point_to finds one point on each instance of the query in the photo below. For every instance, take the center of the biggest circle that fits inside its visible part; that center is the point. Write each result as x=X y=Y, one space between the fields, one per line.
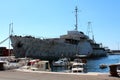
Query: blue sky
x=52 y=18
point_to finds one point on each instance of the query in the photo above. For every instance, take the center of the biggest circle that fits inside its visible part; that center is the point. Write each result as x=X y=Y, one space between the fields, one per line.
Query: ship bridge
x=75 y=35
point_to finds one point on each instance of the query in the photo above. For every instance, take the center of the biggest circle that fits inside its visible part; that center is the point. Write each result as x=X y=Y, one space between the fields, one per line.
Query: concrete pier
x=21 y=75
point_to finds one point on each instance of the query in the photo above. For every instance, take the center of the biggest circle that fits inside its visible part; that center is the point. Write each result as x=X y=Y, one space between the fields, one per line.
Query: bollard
x=113 y=70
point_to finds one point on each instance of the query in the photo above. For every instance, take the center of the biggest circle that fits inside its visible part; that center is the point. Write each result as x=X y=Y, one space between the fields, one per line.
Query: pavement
x=42 y=75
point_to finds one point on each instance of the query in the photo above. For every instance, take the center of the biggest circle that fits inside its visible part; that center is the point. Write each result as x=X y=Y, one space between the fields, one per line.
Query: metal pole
x=76 y=25
x=9 y=38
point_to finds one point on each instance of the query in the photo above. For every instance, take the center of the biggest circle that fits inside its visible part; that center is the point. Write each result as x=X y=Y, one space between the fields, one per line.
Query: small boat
x=6 y=63
x=102 y=66
x=37 y=65
x=77 y=67
x=62 y=62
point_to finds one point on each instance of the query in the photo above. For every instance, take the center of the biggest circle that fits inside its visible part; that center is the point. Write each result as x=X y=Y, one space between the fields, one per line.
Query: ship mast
x=76 y=16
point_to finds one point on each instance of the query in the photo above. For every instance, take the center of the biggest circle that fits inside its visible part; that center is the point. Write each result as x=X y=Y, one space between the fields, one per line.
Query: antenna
x=90 y=31
x=10 y=28
x=76 y=16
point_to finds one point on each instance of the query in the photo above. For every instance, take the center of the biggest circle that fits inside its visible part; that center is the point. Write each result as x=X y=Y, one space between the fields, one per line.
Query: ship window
x=71 y=41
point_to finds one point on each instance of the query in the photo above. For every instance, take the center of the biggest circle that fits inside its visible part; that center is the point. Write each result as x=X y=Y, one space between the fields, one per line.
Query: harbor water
x=93 y=65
